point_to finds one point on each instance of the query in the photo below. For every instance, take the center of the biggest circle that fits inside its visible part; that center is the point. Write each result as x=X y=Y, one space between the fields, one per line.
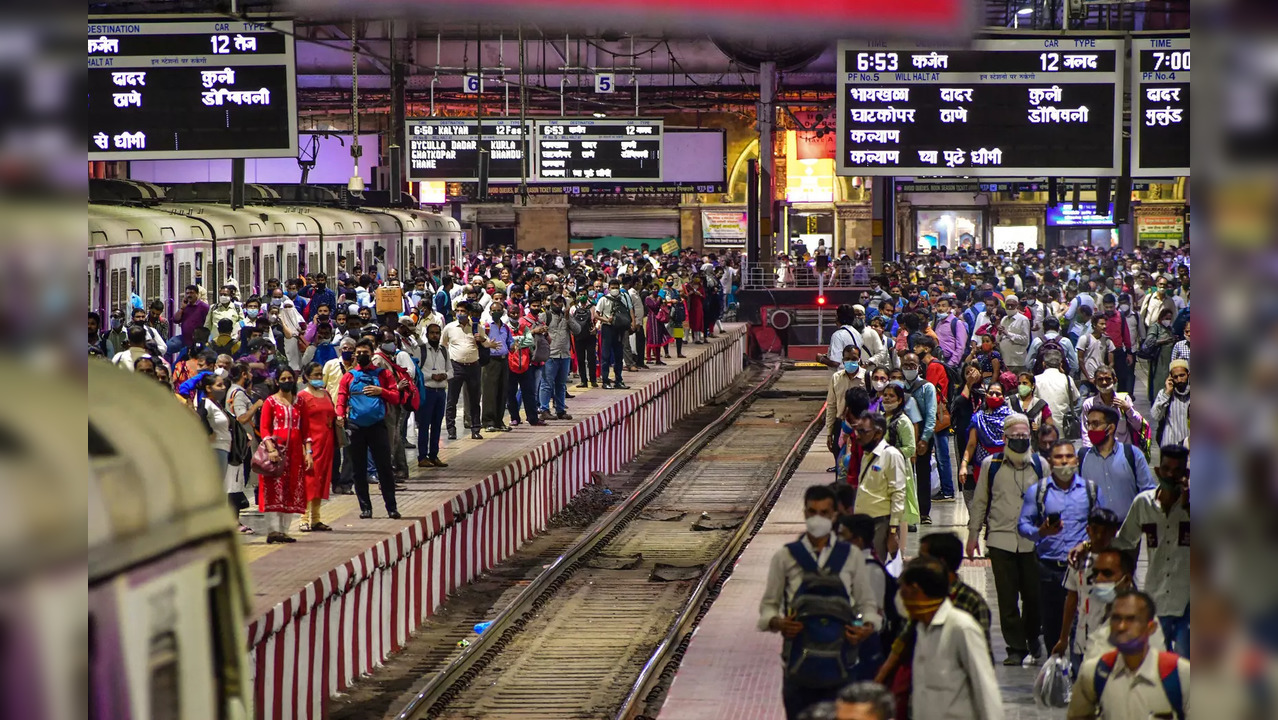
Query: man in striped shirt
x=1171 y=407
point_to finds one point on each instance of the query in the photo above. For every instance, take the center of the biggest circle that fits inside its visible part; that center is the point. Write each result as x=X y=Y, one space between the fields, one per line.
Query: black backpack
x=679 y=314
x=1050 y=344
x=582 y=316
x=893 y=623
x=621 y=319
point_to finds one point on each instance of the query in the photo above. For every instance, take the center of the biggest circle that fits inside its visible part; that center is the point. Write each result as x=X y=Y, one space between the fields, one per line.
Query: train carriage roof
x=118 y=225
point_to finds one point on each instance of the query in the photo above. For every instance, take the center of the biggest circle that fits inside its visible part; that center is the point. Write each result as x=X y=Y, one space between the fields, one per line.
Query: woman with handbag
x=1027 y=403
x=655 y=334
x=282 y=458
x=242 y=408
x=320 y=429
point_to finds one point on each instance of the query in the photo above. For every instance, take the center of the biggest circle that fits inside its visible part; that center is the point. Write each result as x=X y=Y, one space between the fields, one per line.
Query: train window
x=152 y=284
x=350 y=261
x=312 y=263
x=290 y=264
x=184 y=275
x=245 y=277
x=330 y=265
x=368 y=260
x=119 y=290
x=165 y=681
x=135 y=275
x=268 y=268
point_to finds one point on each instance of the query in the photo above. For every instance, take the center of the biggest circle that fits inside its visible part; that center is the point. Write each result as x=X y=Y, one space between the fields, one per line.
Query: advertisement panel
x=723 y=225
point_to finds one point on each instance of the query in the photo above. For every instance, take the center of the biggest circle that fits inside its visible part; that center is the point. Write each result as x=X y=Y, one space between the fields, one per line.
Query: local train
x=167 y=592
x=154 y=247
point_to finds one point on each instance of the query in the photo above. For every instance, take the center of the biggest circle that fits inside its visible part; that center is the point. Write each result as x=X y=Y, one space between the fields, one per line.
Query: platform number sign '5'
x=605 y=83
x=474 y=84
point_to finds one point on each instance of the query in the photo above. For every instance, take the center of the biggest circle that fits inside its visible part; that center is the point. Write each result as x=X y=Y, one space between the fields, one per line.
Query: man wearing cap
x=226 y=307
x=1170 y=410
x=1014 y=336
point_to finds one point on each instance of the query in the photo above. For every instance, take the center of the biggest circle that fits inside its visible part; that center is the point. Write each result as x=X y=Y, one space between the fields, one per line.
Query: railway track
x=600 y=630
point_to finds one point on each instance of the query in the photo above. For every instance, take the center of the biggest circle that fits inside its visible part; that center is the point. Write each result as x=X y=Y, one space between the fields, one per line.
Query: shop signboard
x=723 y=225
x=173 y=87
x=1168 y=227
x=1047 y=106
x=1160 y=106
x=1085 y=213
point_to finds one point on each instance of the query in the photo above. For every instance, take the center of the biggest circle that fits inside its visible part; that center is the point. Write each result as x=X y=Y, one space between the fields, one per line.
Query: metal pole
x=767 y=93
x=821 y=311
x=525 y=142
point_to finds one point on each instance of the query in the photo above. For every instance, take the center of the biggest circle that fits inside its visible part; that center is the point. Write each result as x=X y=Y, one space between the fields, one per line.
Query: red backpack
x=408 y=395
x=519 y=360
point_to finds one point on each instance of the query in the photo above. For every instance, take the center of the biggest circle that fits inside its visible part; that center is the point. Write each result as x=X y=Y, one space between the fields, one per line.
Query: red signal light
x=820 y=299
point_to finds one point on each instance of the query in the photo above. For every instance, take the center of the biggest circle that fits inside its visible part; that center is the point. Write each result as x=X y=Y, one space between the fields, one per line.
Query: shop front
x=952 y=228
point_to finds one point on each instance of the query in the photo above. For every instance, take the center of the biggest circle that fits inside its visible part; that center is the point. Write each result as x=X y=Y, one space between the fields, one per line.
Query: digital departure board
x=1160 y=106
x=161 y=88
x=1000 y=108
x=594 y=150
x=448 y=149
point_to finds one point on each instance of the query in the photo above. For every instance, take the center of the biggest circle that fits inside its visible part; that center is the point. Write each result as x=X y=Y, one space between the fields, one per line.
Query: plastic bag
x=1052 y=687
x=895 y=565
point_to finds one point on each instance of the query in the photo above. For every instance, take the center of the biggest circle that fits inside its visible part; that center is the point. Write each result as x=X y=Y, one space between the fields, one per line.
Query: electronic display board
x=594 y=150
x=1160 y=106
x=999 y=108
x=448 y=149
x=167 y=87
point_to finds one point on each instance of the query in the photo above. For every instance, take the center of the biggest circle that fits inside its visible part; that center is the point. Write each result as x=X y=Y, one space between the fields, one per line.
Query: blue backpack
x=820 y=655
x=1168 y=674
x=363 y=410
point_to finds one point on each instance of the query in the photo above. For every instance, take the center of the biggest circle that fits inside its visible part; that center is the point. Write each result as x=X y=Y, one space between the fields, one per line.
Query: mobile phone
x=1054 y=518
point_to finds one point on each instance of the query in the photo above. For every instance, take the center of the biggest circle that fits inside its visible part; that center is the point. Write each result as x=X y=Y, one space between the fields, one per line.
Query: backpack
x=419 y=378
x=1179 y=323
x=1127 y=450
x=1050 y=344
x=820 y=655
x=1040 y=498
x=1149 y=348
x=1167 y=672
x=363 y=410
x=996 y=463
x=582 y=316
x=954 y=321
x=621 y=318
x=893 y=623
x=1142 y=436
x=228 y=345
x=408 y=396
x=679 y=314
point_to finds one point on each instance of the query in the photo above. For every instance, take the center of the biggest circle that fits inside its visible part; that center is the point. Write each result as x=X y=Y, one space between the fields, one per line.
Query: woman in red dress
x=694 y=298
x=283 y=419
x=320 y=428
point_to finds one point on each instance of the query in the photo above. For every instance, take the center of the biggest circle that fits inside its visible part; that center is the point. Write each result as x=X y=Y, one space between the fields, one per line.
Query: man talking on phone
x=1054 y=515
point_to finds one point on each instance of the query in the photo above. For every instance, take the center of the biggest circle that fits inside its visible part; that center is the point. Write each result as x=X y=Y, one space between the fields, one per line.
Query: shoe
x=320 y=527
x=474 y=435
x=563 y=416
x=912 y=528
x=543 y=415
x=568 y=395
x=593 y=384
x=401 y=474
x=620 y=386
x=942 y=498
x=607 y=385
x=409 y=446
x=582 y=385
x=304 y=527
x=832 y=468
x=681 y=356
x=492 y=429
x=504 y=428
x=926 y=520
x=659 y=363
x=452 y=435
x=1014 y=659
x=438 y=463
x=425 y=462
x=393 y=515
x=400 y=487
x=537 y=423
x=365 y=514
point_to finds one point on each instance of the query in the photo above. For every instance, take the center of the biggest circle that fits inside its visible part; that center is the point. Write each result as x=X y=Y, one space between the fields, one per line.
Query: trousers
x=463 y=375
x=1016 y=586
x=923 y=479
x=523 y=386
x=1051 y=597
x=373 y=440
x=430 y=421
x=587 y=358
x=554 y=384
x=941 y=441
x=495 y=382
x=612 y=352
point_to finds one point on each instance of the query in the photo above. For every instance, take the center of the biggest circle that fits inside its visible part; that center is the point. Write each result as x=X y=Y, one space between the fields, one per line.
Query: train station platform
x=333 y=606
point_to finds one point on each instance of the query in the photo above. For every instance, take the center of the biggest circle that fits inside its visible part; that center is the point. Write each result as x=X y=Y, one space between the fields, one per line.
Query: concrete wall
x=541 y=227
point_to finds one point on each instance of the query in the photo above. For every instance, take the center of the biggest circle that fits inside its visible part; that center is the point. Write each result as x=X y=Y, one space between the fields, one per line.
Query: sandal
x=246 y=530
x=320 y=527
x=304 y=527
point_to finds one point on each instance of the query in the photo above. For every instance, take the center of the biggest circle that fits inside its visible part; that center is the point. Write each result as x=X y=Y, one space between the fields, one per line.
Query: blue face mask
x=317 y=383
x=851 y=366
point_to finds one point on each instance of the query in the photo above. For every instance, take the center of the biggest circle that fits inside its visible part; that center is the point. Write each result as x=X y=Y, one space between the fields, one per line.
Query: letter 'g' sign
x=605 y=83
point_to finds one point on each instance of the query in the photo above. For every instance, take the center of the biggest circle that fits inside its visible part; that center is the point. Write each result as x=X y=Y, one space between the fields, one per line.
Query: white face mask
x=819 y=526
x=878 y=385
x=910 y=375
x=614 y=292
x=224 y=299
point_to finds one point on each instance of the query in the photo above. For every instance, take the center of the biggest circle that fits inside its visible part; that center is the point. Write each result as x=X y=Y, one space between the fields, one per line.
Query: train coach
x=152 y=250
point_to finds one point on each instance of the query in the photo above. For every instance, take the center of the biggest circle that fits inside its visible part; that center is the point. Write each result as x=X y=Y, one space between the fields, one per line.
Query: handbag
x=485 y=353
x=241 y=444
x=264 y=466
x=1071 y=423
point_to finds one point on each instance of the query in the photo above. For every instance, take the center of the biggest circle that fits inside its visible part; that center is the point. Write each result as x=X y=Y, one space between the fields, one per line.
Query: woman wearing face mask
x=282 y=421
x=878 y=381
x=1027 y=403
x=242 y=408
x=989 y=358
x=970 y=399
x=901 y=435
x=321 y=429
x=210 y=402
x=986 y=436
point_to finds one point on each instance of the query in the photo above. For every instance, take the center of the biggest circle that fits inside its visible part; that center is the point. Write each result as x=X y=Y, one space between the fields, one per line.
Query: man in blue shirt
x=1118 y=469
x=494 y=378
x=322 y=295
x=444 y=299
x=1054 y=515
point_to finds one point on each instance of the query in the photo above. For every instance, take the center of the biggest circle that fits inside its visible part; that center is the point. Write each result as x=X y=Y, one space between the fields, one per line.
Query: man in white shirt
x=846 y=334
x=437 y=371
x=137 y=337
x=786 y=576
x=462 y=337
x=953 y=676
x=996 y=505
x=1014 y=336
x=1133 y=683
x=1056 y=388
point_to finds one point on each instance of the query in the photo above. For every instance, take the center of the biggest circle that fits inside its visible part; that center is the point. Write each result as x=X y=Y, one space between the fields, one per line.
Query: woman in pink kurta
x=320 y=428
x=694 y=298
x=283 y=420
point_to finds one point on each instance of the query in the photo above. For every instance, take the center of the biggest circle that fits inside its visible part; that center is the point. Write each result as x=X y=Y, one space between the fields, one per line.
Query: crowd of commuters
x=313 y=386
x=1008 y=380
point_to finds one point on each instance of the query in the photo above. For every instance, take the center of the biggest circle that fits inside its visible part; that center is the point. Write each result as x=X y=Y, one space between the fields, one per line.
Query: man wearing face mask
x=1054 y=515
x=462 y=337
x=840 y=382
x=226 y=307
x=117 y=339
x=1161 y=516
x=1001 y=484
x=365 y=417
x=846 y=335
x=790 y=574
x=952 y=674
x=495 y=376
x=1118 y=469
x=880 y=480
x=926 y=399
x=437 y=371
x=1171 y=407
x=1133 y=681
